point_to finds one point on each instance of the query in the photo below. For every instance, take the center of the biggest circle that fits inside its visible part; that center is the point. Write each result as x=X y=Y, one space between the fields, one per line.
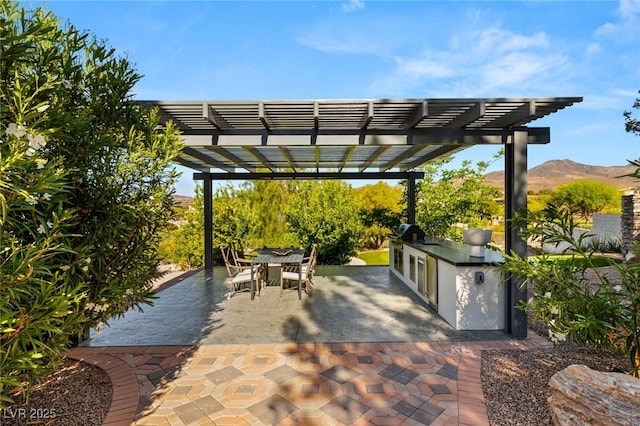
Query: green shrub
x=325 y=213
x=42 y=303
x=234 y=221
x=40 y=307
x=605 y=314
x=85 y=190
x=447 y=197
x=606 y=245
x=184 y=246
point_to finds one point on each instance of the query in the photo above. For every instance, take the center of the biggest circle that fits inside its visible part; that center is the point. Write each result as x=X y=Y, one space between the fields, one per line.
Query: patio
x=350 y=304
x=362 y=350
x=349 y=139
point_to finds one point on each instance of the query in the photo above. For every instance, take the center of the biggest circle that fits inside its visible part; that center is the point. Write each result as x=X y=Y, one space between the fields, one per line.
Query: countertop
x=454 y=253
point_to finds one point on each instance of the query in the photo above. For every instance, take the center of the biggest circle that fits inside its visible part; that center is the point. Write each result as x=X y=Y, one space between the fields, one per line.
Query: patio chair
x=305 y=260
x=305 y=274
x=237 y=258
x=239 y=271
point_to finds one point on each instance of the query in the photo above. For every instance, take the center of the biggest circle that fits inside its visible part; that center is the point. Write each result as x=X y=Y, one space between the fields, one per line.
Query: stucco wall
x=607 y=226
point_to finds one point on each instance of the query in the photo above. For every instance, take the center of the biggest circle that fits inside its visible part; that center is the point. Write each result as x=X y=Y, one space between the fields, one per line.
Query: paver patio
x=362 y=350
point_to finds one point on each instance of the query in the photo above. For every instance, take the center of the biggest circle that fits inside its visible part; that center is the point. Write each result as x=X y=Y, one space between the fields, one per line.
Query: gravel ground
x=77 y=394
x=516 y=383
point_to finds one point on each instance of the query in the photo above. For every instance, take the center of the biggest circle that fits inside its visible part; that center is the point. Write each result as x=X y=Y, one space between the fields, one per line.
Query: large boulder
x=582 y=396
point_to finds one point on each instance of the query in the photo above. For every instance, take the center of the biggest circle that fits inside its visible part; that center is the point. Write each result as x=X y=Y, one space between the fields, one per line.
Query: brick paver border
x=124 y=384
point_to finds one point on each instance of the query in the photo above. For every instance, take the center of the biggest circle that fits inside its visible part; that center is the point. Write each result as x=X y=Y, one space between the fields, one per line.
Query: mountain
x=553 y=173
x=182 y=200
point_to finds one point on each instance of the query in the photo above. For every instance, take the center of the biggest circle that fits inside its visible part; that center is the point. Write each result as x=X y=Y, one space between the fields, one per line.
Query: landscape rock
x=582 y=396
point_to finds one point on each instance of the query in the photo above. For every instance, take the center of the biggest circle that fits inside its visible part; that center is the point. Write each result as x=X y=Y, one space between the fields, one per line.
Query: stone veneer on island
x=467 y=293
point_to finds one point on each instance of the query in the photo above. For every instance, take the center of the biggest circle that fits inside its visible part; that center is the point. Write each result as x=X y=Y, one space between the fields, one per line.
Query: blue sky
x=226 y=50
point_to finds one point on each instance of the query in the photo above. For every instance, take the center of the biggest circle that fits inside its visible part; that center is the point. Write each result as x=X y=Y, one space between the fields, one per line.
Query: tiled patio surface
x=418 y=383
x=435 y=382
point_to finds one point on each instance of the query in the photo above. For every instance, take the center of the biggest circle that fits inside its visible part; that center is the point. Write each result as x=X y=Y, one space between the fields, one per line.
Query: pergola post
x=515 y=201
x=411 y=199
x=208 y=223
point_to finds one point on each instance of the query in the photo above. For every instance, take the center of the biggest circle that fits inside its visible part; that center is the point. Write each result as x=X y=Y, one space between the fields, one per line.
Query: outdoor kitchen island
x=465 y=290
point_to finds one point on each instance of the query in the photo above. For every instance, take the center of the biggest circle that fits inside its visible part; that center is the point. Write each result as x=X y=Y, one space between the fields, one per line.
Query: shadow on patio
x=356 y=348
x=350 y=304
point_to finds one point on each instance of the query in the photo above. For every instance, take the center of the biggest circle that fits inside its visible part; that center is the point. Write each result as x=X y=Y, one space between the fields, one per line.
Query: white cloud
x=423 y=67
x=627 y=9
x=519 y=69
x=467 y=59
x=594 y=127
x=352 y=34
x=352 y=5
x=628 y=25
x=496 y=41
x=607 y=29
x=612 y=100
x=339 y=42
x=593 y=48
x=626 y=93
x=481 y=63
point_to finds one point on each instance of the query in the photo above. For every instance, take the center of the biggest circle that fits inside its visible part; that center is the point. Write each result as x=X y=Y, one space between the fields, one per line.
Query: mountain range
x=550 y=174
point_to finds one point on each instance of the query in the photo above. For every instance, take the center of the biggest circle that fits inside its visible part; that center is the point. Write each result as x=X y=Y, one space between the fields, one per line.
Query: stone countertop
x=454 y=253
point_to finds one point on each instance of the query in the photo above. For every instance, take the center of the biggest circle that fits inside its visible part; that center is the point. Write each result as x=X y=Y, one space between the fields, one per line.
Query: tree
x=537 y=202
x=86 y=189
x=585 y=197
x=234 y=221
x=185 y=244
x=324 y=212
x=450 y=196
x=632 y=125
x=268 y=201
x=381 y=207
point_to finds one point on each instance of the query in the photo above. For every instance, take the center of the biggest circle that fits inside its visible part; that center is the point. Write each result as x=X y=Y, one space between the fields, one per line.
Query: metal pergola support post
x=208 y=223
x=515 y=201
x=411 y=200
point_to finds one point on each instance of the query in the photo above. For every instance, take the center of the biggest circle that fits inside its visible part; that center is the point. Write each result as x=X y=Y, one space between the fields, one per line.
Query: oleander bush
x=85 y=190
x=605 y=314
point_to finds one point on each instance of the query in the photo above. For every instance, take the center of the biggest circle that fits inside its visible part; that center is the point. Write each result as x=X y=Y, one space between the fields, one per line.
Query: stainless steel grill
x=408 y=232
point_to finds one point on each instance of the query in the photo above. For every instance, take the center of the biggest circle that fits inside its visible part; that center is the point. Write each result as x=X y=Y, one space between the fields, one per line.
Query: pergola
x=359 y=139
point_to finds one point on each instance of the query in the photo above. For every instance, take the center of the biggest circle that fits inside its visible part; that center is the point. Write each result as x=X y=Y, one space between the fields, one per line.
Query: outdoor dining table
x=282 y=257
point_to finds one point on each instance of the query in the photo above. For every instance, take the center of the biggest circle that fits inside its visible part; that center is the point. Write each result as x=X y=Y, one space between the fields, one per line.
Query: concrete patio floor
x=362 y=350
x=349 y=304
